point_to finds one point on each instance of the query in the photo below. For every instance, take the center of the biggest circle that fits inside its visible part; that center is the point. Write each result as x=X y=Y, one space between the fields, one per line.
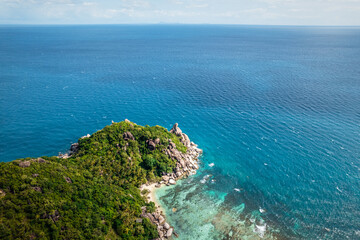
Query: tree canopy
x=93 y=194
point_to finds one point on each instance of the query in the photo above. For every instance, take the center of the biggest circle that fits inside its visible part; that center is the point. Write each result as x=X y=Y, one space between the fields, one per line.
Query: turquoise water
x=276 y=109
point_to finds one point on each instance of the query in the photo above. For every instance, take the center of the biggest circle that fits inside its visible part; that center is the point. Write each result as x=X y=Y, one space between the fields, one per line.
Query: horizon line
x=164 y=23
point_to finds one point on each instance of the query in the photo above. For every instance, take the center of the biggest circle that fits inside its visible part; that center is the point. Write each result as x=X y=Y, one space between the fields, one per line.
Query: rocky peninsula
x=99 y=189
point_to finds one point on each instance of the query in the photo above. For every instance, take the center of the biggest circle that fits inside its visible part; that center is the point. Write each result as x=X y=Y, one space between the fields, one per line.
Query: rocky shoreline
x=186 y=164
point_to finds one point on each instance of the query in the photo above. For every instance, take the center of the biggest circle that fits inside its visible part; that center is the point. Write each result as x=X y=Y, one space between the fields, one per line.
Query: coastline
x=151 y=195
x=186 y=165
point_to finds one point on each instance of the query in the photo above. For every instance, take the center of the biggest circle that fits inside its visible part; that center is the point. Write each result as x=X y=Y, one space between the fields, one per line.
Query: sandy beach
x=151 y=196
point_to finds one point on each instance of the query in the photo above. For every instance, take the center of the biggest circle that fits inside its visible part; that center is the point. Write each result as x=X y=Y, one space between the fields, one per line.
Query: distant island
x=99 y=189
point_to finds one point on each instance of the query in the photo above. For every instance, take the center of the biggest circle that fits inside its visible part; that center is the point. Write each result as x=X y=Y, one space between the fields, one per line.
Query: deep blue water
x=276 y=109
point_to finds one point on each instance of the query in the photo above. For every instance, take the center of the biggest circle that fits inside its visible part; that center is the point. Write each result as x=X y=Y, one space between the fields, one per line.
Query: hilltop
x=93 y=192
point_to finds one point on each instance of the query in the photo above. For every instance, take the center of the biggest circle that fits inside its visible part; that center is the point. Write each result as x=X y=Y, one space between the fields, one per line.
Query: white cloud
x=300 y=12
x=198 y=5
x=89 y=3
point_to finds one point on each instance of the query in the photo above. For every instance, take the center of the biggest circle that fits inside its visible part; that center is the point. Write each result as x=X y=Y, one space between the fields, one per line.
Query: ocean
x=275 y=109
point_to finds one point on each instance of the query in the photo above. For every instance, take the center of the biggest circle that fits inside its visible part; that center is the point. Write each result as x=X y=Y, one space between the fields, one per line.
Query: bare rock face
x=64 y=156
x=169 y=232
x=24 y=164
x=161 y=219
x=41 y=160
x=38 y=189
x=166 y=226
x=74 y=148
x=151 y=144
x=185 y=162
x=175 y=129
x=185 y=140
x=67 y=179
x=128 y=136
x=86 y=136
x=150 y=216
x=157 y=141
x=130 y=124
x=171 y=145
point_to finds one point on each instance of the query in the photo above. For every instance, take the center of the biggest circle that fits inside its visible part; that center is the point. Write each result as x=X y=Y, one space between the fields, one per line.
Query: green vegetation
x=93 y=194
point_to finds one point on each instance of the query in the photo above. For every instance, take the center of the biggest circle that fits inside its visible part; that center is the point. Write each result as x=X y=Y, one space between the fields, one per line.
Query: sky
x=250 y=12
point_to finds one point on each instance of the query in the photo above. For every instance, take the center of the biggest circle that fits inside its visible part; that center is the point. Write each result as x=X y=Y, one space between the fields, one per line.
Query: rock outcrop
x=157 y=218
x=68 y=180
x=128 y=136
x=176 y=130
x=38 y=189
x=186 y=163
x=86 y=136
x=172 y=181
x=151 y=144
x=184 y=138
x=74 y=148
x=25 y=164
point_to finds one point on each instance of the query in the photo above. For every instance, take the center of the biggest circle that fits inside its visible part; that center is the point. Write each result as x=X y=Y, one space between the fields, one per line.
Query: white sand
x=151 y=196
